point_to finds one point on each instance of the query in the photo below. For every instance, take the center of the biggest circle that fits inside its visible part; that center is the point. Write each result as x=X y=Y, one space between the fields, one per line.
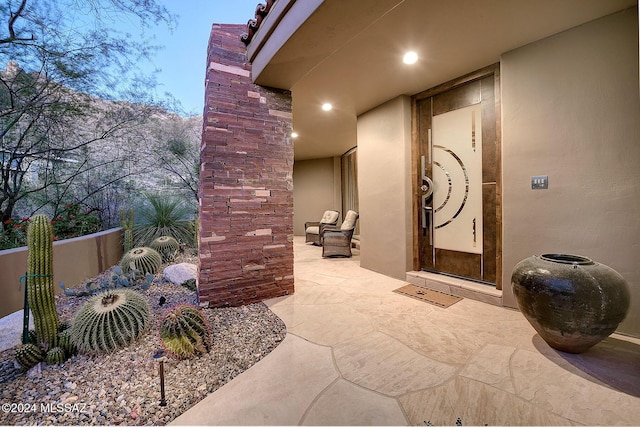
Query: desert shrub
x=163 y=216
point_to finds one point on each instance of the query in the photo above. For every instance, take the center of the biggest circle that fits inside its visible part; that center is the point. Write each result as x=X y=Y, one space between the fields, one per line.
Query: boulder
x=180 y=273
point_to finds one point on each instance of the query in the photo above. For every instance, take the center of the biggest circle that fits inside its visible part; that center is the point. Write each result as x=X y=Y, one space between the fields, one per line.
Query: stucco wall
x=73 y=261
x=571 y=111
x=316 y=188
x=384 y=181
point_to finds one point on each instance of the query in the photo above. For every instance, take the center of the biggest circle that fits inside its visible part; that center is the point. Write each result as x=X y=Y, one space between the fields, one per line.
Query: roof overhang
x=349 y=52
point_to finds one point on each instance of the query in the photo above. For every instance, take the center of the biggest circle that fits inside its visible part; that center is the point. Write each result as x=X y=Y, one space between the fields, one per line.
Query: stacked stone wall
x=246 y=181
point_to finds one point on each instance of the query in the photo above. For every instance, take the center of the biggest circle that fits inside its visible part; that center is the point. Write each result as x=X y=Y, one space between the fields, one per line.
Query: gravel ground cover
x=123 y=387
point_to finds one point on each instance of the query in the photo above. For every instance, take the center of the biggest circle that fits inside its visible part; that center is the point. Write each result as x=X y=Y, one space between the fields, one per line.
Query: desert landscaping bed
x=123 y=387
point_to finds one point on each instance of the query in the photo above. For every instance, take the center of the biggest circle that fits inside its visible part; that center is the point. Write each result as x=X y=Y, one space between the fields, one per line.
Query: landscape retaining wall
x=73 y=261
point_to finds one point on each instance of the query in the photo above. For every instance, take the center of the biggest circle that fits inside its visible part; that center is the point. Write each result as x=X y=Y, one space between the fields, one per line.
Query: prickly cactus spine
x=144 y=260
x=40 y=280
x=29 y=355
x=185 y=332
x=166 y=246
x=127 y=221
x=56 y=356
x=110 y=320
x=64 y=340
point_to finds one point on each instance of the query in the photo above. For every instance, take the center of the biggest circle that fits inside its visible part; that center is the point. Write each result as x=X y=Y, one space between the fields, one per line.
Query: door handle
x=474 y=231
x=427 y=183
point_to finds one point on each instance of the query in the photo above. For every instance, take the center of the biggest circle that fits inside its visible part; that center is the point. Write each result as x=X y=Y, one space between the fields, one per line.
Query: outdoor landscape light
x=326 y=106
x=410 y=58
x=294 y=135
x=160 y=356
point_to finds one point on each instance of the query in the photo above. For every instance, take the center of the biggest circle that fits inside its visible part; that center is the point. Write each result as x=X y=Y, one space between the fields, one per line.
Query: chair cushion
x=313 y=230
x=329 y=217
x=349 y=221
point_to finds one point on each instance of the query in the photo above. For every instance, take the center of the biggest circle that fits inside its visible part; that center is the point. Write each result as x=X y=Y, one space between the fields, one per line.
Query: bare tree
x=175 y=149
x=64 y=60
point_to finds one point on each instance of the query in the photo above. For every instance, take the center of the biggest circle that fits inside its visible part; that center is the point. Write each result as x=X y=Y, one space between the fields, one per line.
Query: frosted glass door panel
x=457 y=177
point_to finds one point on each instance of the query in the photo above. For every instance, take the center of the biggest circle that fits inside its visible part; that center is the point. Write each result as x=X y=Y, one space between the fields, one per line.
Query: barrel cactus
x=65 y=342
x=40 y=289
x=185 y=332
x=29 y=355
x=31 y=337
x=166 y=246
x=144 y=260
x=110 y=320
x=56 y=356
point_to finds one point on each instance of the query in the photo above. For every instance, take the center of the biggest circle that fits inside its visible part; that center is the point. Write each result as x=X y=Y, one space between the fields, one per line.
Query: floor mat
x=428 y=295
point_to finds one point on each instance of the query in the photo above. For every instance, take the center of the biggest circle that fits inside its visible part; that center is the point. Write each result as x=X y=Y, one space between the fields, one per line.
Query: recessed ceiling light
x=410 y=58
x=326 y=106
x=294 y=135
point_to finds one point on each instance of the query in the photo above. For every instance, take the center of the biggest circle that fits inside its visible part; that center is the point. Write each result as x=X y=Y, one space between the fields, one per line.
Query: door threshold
x=456 y=286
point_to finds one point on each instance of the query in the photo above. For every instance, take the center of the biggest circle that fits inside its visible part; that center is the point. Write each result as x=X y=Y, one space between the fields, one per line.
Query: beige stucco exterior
x=73 y=261
x=384 y=188
x=316 y=189
x=570 y=110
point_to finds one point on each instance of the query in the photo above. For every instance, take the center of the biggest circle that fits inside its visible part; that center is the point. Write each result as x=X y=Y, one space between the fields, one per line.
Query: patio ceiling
x=349 y=53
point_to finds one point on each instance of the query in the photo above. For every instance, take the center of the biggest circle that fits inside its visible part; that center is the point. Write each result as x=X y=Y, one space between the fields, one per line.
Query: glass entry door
x=457 y=188
x=457 y=180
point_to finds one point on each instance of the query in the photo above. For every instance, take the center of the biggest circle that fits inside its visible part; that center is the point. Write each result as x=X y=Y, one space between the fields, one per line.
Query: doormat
x=428 y=295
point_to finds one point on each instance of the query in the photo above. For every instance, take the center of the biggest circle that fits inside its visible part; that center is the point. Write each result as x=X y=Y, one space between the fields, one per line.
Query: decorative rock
x=130 y=394
x=180 y=273
x=35 y=371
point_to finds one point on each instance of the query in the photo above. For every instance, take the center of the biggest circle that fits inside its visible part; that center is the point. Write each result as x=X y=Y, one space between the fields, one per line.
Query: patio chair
x=336 y=242
x=313 y=230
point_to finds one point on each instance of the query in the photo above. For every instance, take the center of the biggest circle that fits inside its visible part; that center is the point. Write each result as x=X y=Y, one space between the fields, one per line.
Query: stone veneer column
x=246 y=181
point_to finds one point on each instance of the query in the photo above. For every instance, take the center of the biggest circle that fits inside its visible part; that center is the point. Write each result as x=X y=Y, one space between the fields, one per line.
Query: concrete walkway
x=357 y=353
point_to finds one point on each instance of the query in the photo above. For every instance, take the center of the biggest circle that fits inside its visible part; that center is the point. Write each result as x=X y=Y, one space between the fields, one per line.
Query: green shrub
x=163 y=216
x=74 y=221
x=13 y=233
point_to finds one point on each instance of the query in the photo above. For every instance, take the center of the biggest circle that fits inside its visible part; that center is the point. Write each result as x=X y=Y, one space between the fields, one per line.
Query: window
x=349 y=163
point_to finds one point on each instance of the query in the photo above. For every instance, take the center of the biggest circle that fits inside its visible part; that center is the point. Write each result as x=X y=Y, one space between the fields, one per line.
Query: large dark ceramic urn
x=572 y=301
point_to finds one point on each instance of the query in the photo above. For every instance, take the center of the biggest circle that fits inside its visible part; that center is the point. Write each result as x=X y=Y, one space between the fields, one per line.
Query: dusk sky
x=183 y=60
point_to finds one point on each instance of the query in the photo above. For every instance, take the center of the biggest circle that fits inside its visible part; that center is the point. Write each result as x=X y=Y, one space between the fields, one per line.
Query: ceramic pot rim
x=567 y=259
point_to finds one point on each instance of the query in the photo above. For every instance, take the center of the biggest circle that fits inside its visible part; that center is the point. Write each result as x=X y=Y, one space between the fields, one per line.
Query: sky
x=183 y=59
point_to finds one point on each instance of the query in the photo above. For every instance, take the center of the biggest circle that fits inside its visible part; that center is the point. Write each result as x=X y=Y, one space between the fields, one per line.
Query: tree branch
x=13 y=17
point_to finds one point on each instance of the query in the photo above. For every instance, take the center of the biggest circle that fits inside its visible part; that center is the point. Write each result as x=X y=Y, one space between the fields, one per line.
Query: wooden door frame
x=494 y=70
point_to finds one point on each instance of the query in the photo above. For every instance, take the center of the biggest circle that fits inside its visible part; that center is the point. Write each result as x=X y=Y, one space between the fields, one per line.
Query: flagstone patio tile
x=379 y=362
x=276 y=391
x=346 y=404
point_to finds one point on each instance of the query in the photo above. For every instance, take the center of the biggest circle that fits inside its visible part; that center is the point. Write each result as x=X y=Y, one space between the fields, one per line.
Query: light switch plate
x=540 y=182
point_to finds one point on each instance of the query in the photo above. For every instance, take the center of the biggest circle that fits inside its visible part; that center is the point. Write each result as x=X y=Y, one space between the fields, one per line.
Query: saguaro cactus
x=40 y=280
x=127 y=221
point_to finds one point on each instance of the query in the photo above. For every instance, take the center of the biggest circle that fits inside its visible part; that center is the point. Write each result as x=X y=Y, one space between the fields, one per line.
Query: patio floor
x=357 y=353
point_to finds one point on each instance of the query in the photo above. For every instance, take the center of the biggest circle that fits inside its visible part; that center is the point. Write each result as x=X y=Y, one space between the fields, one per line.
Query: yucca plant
x=163 y=216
